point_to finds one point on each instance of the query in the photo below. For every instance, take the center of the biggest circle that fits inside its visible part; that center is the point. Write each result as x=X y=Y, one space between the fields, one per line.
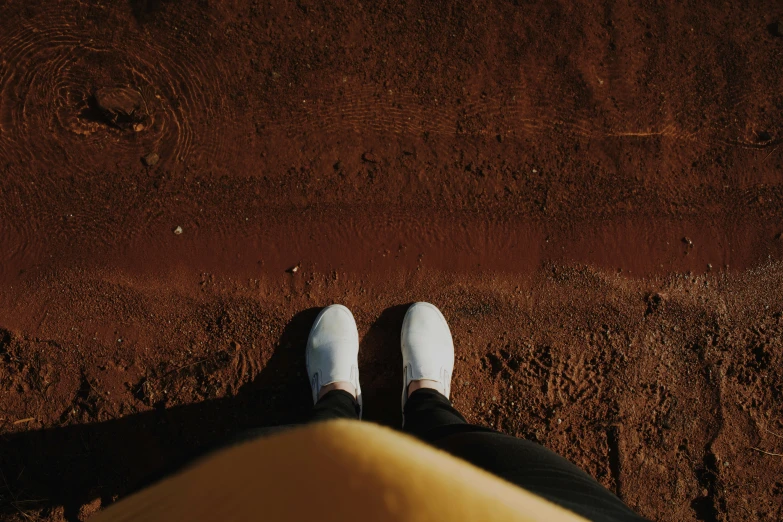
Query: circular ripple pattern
x=49 y=73
x=54 y=140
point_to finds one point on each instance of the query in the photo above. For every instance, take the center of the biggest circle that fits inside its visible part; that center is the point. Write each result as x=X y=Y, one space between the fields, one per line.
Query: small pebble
x=122 y=107
x=293 y=269
x=151 y=159
x=369 y=157
x=178 y=230
x=687 y=241
x=560 y=421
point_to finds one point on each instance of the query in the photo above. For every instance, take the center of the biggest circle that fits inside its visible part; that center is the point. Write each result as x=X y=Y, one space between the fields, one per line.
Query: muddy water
x=380 y=244
x=51 y=70
x=425 y=166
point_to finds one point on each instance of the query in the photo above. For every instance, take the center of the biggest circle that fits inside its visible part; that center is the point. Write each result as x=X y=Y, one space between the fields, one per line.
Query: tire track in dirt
x=359 y=108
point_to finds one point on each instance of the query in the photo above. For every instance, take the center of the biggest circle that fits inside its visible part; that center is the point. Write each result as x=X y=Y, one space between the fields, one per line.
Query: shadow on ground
x=73 y=465
x=380 y=360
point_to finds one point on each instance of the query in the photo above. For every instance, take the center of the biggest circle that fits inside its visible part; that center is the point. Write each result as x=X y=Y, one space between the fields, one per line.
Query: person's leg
x=538 y=470
x=332 y=356
x=336 y=404
x=427 y=365
x=429 y=415
x=333 y=369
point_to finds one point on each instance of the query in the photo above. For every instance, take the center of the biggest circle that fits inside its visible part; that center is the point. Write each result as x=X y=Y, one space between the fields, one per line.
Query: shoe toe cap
x=425 y=327
x=334 y=323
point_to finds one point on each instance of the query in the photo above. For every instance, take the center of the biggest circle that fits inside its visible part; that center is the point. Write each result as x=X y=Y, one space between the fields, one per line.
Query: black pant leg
x=431 y=417
x=337 y=404
x=538 y=470
x=428 y=415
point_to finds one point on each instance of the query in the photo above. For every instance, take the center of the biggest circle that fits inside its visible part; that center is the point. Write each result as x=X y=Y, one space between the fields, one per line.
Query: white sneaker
x=333 y=351
x=427 y=348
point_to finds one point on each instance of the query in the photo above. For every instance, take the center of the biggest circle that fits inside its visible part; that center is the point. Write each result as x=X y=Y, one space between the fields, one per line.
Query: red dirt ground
x=592 y=192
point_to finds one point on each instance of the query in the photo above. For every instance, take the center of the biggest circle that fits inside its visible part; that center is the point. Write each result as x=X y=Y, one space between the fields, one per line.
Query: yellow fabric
x=342 y=471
